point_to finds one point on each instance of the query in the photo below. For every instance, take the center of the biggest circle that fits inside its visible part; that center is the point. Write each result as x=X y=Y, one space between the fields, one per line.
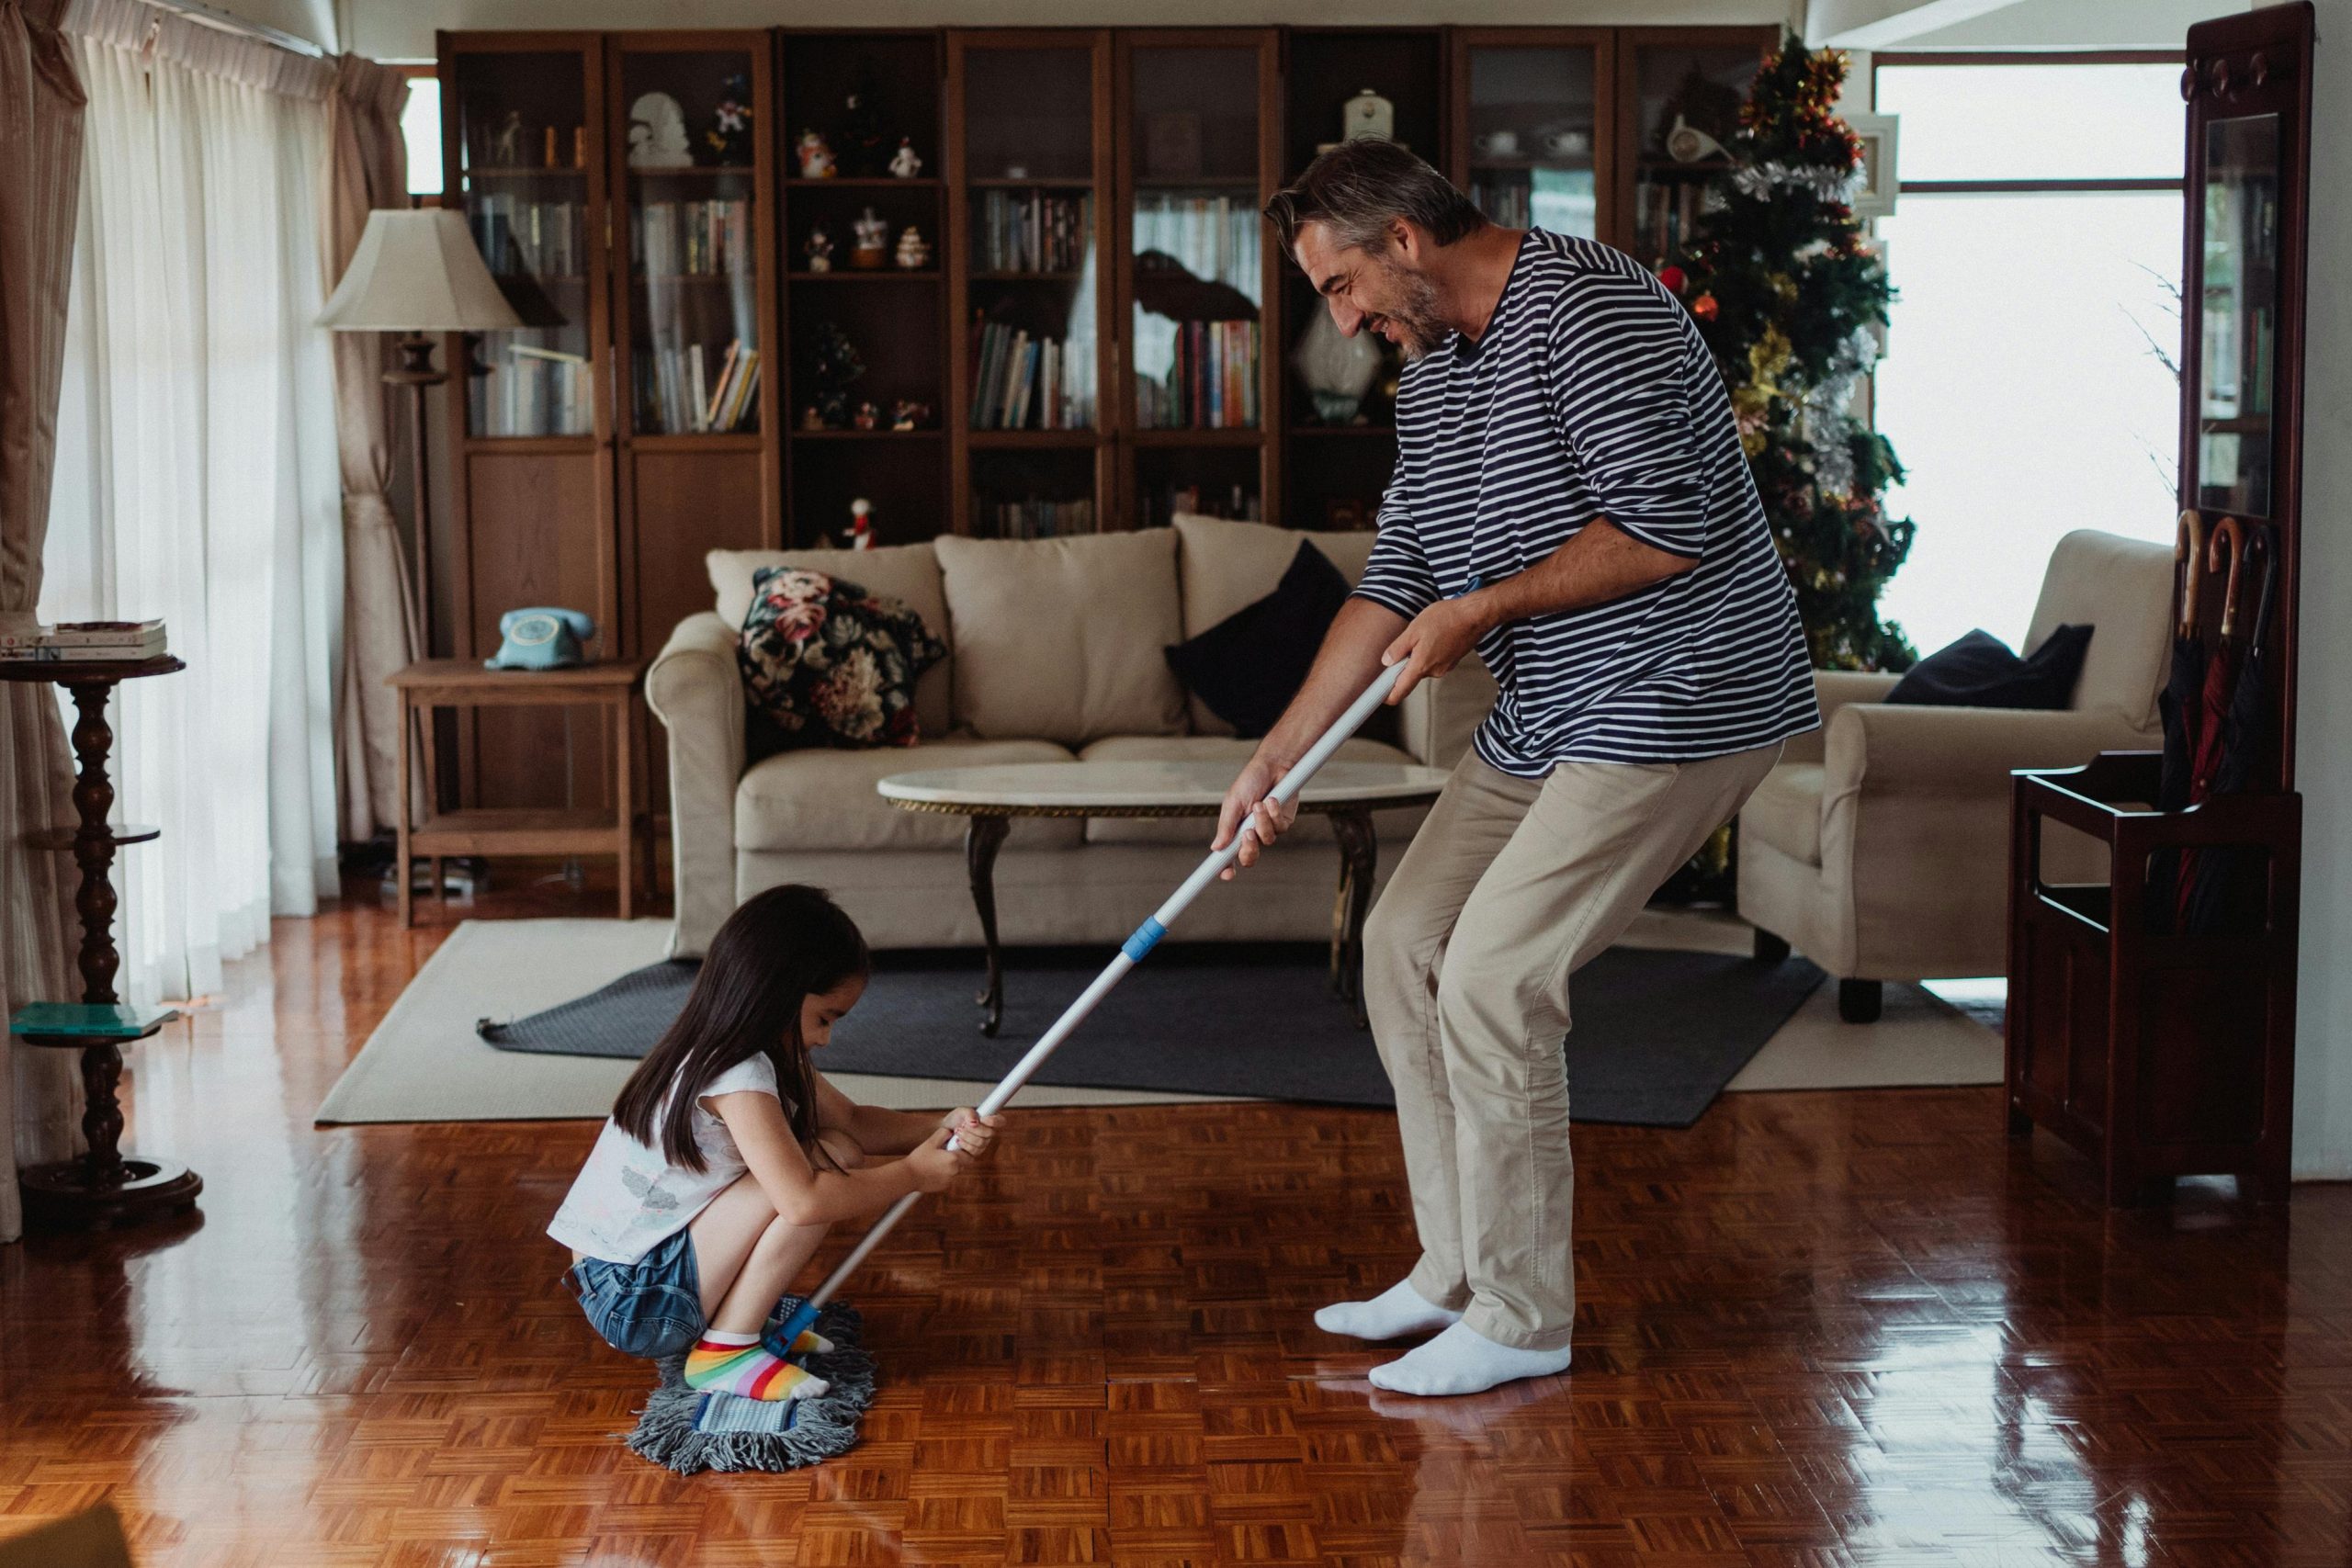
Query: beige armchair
x=1879 y=846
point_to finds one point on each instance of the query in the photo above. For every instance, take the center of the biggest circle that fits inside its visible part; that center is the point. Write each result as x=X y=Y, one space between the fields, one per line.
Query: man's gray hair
x=1361 y=187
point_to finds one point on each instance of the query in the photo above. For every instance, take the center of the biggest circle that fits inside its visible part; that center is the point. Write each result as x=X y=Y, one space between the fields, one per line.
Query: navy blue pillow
x=1249 y=666
x=1979 y=671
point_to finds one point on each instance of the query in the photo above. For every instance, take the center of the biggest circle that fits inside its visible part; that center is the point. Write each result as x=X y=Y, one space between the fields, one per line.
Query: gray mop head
x=688 y=1430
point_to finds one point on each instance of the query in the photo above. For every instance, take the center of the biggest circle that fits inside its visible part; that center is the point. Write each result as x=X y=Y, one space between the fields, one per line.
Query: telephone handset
x=544 y=638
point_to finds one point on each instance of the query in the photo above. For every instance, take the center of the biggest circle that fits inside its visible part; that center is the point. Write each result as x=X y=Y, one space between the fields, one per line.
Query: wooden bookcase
x=584 y=477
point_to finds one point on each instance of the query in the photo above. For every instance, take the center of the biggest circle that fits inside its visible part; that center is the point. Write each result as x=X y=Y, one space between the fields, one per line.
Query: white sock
x=1394 y=1313
x=722 y=1337
x=1462 y=1360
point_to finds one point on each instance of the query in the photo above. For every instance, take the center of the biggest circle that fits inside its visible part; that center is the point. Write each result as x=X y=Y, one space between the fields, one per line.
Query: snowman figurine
x=816 y=157
x=905 y=164
x=860 y=524
x=819 y=250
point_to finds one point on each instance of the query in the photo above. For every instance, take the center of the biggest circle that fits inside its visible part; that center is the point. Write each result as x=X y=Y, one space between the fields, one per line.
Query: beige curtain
x=367 y=168
x=40 y=153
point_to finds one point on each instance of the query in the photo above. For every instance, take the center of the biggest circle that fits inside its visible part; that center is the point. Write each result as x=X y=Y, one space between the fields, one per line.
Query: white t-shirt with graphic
x=629 y=1199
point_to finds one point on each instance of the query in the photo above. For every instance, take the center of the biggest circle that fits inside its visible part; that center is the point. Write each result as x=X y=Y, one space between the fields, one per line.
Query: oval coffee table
x=990 y=798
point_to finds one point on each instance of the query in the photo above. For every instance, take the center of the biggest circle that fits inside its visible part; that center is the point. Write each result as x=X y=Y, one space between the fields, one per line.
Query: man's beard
x=1419 y=328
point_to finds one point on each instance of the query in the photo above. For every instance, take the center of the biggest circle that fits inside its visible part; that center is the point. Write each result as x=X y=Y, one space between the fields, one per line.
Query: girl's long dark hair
x=774 y=952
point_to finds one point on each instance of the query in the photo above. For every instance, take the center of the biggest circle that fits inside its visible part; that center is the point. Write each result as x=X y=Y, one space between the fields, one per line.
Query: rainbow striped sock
x=748 y=1371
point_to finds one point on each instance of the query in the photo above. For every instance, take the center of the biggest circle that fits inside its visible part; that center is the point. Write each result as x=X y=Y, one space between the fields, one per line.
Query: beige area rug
x=425 y=1064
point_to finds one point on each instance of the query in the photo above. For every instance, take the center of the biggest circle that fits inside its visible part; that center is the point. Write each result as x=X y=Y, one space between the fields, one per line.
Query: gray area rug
x=1657 y=1034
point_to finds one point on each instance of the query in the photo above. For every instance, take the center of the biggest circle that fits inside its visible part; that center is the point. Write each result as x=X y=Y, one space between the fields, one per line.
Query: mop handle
x=1146 y=938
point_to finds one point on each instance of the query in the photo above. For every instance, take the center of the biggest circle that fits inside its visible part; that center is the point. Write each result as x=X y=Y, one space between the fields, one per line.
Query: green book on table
x=102 y=1020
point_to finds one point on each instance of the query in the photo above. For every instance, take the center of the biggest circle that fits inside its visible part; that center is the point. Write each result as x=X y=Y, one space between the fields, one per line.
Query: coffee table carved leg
x=1359 y=857
x=983 y=836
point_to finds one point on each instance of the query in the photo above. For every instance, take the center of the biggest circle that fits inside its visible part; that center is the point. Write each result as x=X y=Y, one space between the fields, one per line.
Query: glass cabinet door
x=1532 y=135
x=2237 y=316
x=1686 y=106
x=689 y=184
x=521 y=124
x=1029 y=151
x=1195 y=161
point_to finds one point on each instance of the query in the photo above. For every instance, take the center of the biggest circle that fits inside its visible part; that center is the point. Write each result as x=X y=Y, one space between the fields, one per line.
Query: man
x=1570 y=500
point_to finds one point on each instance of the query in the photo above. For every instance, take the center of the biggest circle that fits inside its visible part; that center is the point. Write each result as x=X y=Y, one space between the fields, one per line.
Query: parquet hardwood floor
x=1814 y=1331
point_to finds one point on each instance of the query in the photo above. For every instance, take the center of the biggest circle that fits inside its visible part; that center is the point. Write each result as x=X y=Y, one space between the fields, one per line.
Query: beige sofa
x=1879 y=846
x=1055 y=655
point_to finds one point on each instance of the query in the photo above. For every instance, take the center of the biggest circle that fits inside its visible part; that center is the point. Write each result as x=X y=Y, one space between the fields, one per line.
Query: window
x=421 y=127
x=2029 y=385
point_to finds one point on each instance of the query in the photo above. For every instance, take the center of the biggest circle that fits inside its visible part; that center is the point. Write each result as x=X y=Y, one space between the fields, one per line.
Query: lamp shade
x=417 y=272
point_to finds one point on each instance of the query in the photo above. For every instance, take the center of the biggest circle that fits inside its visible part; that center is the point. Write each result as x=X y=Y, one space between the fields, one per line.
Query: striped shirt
x=1590 y=395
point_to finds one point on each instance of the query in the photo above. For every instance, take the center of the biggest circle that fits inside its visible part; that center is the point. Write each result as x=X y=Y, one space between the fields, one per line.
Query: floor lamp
x=417 y=273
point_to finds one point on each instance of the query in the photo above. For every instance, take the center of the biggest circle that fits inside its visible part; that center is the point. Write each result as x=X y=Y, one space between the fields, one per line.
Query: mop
x=689 y=1431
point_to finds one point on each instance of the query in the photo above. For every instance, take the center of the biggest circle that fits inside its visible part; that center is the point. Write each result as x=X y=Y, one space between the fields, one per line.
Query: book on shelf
x=540 y=391
x=516 y=235
x=687 y=239
x=74 y=641
x=678 y=394
x=1211 y=384
x=1034 y=519
x=1030 y=231
x=1021 y=383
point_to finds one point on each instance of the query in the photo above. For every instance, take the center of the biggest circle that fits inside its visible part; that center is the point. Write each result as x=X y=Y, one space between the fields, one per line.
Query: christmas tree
x=1786 y=288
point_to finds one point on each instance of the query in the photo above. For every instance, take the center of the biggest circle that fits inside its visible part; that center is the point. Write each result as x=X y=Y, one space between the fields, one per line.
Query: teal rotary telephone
x=543 y=639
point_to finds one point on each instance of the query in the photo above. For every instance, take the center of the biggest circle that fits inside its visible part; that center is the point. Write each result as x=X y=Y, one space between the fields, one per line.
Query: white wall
x=2078 y=24
x=402 y=30
x=2324 y=709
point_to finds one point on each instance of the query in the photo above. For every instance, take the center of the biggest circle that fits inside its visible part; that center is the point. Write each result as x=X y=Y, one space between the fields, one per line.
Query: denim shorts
x=651 y=1307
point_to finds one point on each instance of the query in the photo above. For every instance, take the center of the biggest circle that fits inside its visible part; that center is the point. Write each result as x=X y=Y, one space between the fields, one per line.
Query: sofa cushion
x=1785 y=811
x=909 y=573
x=1393 y=827
x=1223 y=565
x=1249 y=666
x=825 y=800
x=1061 y=639
x=2124 y=587
x=1978 y=671
x=829 y=665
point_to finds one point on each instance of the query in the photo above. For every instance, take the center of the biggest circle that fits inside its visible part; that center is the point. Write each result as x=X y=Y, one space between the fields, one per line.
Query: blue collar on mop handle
x=1146 y=937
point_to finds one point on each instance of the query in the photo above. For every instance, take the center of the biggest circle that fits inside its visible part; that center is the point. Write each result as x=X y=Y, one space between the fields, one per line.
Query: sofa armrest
x=1880 y=748
x=696 y=691
x=1437 y=718
x=1834 y=689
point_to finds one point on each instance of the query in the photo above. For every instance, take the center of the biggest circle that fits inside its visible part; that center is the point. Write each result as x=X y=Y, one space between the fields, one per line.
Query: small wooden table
x=432 y=684
x=1348 y=793
x=107 y=1184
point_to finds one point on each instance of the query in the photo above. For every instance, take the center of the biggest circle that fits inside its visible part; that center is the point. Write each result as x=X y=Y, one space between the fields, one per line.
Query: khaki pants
x=1511 y=885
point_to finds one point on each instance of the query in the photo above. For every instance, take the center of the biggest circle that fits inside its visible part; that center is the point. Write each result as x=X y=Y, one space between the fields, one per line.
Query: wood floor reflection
x=1813 y=1330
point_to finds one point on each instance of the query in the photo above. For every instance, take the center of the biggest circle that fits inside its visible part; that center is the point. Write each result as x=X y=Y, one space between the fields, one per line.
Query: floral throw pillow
x=830 y=664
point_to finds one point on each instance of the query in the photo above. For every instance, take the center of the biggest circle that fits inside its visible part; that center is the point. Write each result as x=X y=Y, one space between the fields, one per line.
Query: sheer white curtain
x=197 y=475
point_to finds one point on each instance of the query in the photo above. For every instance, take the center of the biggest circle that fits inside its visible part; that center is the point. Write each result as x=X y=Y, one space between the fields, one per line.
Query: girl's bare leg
x=754 y=1254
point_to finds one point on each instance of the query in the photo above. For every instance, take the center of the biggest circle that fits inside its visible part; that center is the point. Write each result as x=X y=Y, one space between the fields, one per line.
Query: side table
x=432 y=684
x=106 y=1184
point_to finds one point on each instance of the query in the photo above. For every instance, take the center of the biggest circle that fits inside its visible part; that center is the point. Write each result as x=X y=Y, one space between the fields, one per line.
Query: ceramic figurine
x=908 y=414
x=819 y=250
x=871 y=245
x=816 y=158
x=506 y=145
x=868 y=417
x=860 y=524
x=914 y=250
x=810 y=419
x=657 y=135
x=1367 y=114
x=728 y=141
x=1686 y=143
x=905 y=163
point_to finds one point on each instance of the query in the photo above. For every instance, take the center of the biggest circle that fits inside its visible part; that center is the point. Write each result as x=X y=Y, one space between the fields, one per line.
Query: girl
x=726 y=1158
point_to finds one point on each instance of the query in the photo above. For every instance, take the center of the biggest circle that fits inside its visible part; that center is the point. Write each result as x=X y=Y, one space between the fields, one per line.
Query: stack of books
x=544 y=391
x=1034 y=233
x=692 y=239
x=689 y=391
x=1022 y=382
x=1034 y=519
x=125 y=642
x=1213 y=385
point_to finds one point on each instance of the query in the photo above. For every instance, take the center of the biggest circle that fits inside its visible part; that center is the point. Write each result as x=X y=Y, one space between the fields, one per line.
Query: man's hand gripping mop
x=690 y=1431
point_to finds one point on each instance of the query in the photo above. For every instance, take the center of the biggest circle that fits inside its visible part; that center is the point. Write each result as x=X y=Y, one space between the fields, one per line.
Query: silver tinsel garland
x=1827 y=426
x=1760 y=180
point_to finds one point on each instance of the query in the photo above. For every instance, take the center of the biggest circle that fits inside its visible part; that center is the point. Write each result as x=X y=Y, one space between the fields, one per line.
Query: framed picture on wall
x=1874 y=198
